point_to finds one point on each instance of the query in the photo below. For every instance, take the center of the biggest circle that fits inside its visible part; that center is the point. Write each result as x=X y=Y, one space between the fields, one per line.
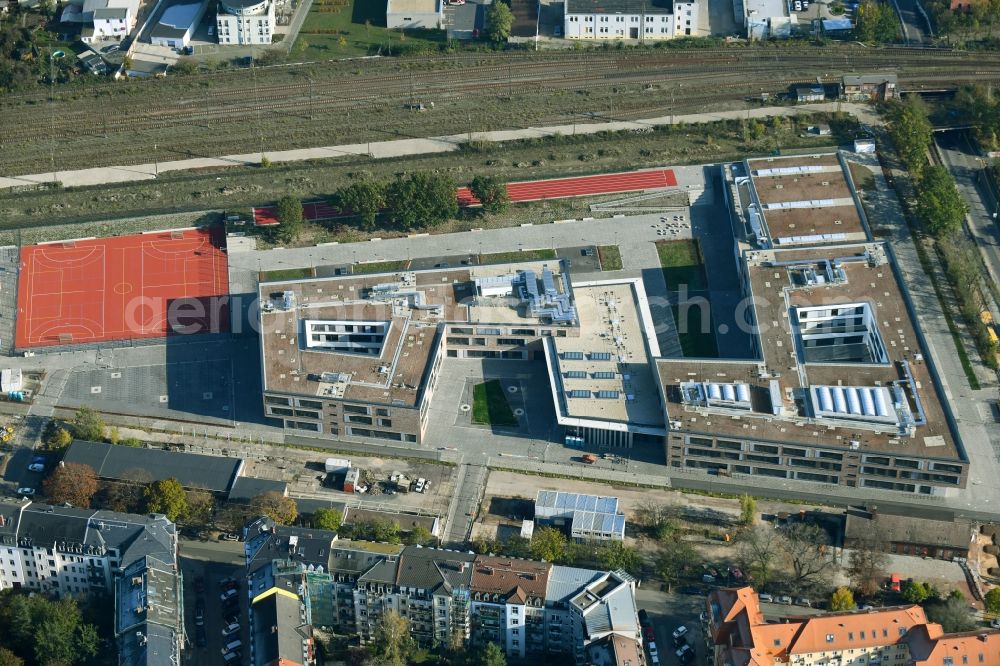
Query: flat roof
x=402 y=6
x=619 y=6
x=605 y=373
x=805 y=200
x=775 y=287
x=407 y=308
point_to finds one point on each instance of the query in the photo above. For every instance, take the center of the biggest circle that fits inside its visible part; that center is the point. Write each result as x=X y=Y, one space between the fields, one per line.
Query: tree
x=616 y=555
x=807 y=554
x=379 y=529
x=876 y=22
x=939 y=204
x=659 y=519
x=842 y=599
x=548 y=544
x=952 y=614
x=167 y=496
x=914 y=592
x=327 y=519
x=748 y=510
x=867 y=562
x=421 y=199
x=489 y=655
x=992 y=601
x=759 y=550
x=8 y=658
x=59 y=438
x=676 y=558
x=910 y=129
x=491 y=192
x=364 y=198
x=201 y=504
x=419 y=535
x=288 y=212
x=276 y=506
x=71 y=482
x=391 y=643
x=87 y=424
x=499 y=22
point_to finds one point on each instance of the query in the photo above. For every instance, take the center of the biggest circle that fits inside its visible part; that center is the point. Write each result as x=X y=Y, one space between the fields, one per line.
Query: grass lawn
x=682 y=264
x=334 y=31
x=287 y=274
x=694 y=343
x=611 y=257
x=381 y=266
x=489 y=405
x=521 y=255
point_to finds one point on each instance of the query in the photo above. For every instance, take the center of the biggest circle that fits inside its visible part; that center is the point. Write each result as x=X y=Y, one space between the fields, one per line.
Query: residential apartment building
x=245 y=21
x=642 y=20
x=67 y=551
x=526 y=607
x=281 y=627
x=738 y=634
x=870 y=87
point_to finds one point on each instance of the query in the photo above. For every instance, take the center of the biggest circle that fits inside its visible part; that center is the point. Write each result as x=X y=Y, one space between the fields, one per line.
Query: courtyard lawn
x=287 y=274
x=380 y=267
x=694 y=342
x=682 y=265
x=516 y=256
x=489 y=405
x=611 y=257
x=342 y=29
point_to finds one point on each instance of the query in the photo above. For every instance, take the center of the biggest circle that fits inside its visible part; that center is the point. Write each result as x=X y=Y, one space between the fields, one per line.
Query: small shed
x=864 y=146
x=11 y=379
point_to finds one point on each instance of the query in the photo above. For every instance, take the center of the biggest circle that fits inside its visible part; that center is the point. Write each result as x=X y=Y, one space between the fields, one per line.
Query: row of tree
x=37 y=630
x=876 y=22
x=410 y=201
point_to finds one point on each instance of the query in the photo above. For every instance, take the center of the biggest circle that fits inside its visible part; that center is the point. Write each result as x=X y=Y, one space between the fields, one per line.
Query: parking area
x=667 y=611
x=206 y=615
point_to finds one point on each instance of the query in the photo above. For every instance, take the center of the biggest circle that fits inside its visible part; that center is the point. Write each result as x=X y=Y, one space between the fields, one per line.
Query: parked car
x=229 y=536
x=231 y=629
x=707 y=578
x=652 y=648
x=199 y=584
x=211 y=31
x=647 y=633
x=691 y=589
x=866 y=607
x=25 y=490
x=233 y=657
x=200 y=638
x=36 y=467
x=784 y=599
x=226 y=582
x=995 y=623
x=802 y=601
x=227 y=595
x=643 y=617
x=685 y=655
x=766 y=598
x=680 y=632
x=557 y=31
x=736 y=573
x=419 y=487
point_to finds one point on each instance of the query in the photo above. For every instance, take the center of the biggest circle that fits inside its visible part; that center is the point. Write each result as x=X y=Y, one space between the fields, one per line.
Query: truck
x=334 y=465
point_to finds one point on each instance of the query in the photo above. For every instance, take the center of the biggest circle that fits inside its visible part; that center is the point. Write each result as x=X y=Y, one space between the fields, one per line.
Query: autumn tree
x=391 y=643
x=420 y=535
x=491 y=191
x=276 y=506
x=327 y=519
x=748 y=510
x=548 y=544
x=201 y=504
x=167 y=496
x=88 y=424
x=659 y=519
x=421 y=200
x=842 y=599
x=71 y=482
x=992 y=601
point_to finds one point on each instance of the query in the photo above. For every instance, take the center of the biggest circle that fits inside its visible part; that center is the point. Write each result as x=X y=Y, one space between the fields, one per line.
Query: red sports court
x=143 y=286
x=532 y=190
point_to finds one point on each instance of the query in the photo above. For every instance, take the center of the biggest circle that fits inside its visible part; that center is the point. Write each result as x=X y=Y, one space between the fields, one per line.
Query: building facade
x=526 y=607
x=67 y=551
x=245 y=21
x=629 y=20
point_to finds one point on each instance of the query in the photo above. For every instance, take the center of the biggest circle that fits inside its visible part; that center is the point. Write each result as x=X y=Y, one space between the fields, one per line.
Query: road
x=965 y=164
x=469 y=489
x=915 y=28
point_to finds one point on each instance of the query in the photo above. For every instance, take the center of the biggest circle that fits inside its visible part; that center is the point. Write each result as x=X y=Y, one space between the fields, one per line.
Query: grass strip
x=610 y=257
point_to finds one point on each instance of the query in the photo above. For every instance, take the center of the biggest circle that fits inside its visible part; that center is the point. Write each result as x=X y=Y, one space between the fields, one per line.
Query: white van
x=231 y=629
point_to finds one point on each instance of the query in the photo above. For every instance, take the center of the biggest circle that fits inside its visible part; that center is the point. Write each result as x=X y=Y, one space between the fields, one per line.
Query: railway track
x=205 y=113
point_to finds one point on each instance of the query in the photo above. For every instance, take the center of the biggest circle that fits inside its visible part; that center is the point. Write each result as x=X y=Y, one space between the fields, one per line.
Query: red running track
x=532 y=190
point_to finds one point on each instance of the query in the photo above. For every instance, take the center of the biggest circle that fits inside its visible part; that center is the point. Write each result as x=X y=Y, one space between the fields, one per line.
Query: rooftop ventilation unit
x=716 y=394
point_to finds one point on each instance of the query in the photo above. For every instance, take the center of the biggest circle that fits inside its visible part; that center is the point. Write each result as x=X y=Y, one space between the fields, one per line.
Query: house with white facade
x=104 y=19
x=643 y=20
x=245 y=21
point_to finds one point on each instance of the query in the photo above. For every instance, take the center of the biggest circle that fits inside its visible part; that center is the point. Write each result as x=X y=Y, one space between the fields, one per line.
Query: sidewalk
x=403 y=147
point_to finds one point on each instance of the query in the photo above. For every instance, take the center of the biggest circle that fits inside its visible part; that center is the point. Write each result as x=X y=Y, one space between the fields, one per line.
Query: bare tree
x=659 y=519
x=867 y=562
x=760 y=552
x=805 y=548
